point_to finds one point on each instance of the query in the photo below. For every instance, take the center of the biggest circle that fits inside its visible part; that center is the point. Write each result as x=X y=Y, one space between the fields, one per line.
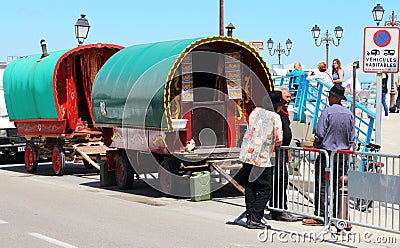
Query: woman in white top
x=321 y=73
x=324 y=75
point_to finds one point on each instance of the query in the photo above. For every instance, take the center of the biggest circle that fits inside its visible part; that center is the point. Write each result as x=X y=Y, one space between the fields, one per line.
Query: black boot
x=252 y=224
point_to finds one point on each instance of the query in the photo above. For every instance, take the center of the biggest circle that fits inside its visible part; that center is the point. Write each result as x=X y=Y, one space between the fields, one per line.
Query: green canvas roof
x=135 y=74
x=25 y=97
x=133 y=86
x=35 y=87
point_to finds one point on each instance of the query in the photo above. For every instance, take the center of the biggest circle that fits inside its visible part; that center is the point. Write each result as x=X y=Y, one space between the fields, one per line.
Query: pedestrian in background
x=287 y=97
x=334 y=131
x=384 y=92
x=257 y=153
x=296 y=74
x=321 y=73
x=337 y=72
x=398 y=92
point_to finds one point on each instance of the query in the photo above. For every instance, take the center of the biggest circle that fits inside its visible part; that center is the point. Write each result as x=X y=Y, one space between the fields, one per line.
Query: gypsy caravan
x=48 y=96
x=179 y=104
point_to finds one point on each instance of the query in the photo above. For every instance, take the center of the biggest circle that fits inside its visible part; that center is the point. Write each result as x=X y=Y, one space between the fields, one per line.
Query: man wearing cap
x=334 y=131
x=257 y=153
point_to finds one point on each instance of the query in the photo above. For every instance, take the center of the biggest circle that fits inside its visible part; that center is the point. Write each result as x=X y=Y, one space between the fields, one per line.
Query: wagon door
x=209 y=113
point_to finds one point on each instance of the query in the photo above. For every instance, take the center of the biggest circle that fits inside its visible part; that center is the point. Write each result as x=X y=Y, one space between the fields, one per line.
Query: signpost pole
x=355 y=67
x=378 y=120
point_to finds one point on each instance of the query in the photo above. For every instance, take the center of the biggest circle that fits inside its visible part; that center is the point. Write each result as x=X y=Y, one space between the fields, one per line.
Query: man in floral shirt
x=257 y=153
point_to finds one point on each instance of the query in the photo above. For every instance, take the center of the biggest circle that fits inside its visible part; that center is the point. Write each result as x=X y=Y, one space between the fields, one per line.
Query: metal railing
x=336 y=188
x=311 y=98
x=295 y=191
x=368 y=194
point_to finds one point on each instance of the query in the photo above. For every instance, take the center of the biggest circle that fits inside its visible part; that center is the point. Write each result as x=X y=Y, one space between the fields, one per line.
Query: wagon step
x=90 y=150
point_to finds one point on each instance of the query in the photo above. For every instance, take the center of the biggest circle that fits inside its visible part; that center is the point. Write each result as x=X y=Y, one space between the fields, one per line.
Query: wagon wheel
x=124 y=173
x=166 y=176
x=31 y=160
x=58 y=160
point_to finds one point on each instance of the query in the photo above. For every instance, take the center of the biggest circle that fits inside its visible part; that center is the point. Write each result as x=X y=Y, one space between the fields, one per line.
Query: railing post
x=303 y=101
x=344 y=200
x=291 y=82
x=297 y=102
x=317 y=107
x=369 y=131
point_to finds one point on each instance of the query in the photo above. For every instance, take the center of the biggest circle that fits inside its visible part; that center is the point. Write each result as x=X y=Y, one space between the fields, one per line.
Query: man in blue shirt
x=334 y=131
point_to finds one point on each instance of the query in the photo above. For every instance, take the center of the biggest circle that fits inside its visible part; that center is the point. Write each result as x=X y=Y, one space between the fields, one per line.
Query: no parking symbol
x=382 y=38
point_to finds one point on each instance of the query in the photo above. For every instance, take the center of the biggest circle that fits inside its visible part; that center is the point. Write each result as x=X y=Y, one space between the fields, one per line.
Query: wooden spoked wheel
x=124 y=173
x=30 y=158
x=58 y=160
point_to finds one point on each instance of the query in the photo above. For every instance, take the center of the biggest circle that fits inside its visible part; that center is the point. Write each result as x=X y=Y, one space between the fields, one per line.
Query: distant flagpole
x=221 y=17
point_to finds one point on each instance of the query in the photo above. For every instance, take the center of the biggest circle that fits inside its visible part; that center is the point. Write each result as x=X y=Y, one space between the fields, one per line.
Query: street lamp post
x=279 y=50
x=81 y=29
x=377 y=13
x=327 y=39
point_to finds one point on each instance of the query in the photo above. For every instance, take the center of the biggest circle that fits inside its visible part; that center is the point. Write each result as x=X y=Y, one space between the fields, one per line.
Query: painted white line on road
x=51 y=240
x=3 y=221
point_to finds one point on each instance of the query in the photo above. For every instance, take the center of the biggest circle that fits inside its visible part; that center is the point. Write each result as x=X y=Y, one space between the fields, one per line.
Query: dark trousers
x=320 y=181
x=398 y=97
x=281 y=180
x=258 y=189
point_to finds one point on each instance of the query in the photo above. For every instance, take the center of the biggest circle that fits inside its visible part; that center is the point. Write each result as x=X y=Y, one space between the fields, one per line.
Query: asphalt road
x=43 y=210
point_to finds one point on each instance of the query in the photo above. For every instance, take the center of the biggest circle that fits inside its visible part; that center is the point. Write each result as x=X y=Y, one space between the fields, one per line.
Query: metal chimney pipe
x=44 y=48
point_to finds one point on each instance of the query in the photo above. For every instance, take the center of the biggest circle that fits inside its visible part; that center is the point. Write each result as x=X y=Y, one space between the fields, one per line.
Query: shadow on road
x=145 y=188
x=46 y=169
x=140 y=187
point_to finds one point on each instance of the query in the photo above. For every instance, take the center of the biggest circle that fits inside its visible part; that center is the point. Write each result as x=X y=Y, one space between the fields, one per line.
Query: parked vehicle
x=48 y=98
x=12 y=146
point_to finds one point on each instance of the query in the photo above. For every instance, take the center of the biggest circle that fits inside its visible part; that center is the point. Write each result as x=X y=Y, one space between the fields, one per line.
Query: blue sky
x=129 y=22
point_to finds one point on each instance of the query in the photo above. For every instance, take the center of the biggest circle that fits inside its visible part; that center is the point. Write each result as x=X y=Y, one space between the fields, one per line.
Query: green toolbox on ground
x=200 y=189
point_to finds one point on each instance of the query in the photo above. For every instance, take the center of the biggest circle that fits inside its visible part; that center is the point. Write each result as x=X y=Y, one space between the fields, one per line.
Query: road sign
x=259 y=45
x=381 y=49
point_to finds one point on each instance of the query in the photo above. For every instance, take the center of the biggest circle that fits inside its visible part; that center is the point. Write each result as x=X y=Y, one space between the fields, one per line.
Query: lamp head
x=81 y=29
x=338 y=32
x=315 y=31
x=270 y=44
x=377 y=13
x=289 y=44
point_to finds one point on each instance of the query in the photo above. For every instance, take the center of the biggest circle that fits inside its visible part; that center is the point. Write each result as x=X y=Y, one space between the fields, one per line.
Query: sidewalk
x=391 y=134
